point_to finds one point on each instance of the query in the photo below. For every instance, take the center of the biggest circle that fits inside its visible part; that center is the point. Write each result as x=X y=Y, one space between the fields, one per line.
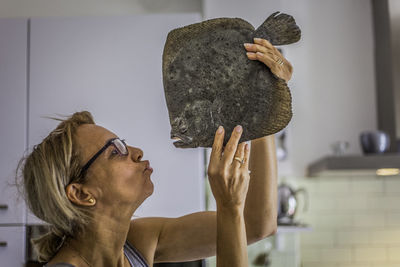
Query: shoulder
x=144 y=234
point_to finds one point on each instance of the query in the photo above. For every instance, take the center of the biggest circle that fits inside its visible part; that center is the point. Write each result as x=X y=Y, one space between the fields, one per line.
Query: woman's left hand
x=265 y=52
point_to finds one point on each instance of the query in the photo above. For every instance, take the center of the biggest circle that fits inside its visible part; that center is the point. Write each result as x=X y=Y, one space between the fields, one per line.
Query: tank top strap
x=133 y=255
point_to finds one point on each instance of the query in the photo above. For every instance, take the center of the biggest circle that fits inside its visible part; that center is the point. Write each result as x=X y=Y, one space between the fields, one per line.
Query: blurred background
x=338 y=158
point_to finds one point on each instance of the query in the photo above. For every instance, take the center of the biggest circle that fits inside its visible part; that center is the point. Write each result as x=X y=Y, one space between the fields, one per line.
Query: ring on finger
x=241 y=161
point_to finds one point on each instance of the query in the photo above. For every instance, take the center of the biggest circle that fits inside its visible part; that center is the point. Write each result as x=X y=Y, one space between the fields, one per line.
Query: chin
x=151 y=190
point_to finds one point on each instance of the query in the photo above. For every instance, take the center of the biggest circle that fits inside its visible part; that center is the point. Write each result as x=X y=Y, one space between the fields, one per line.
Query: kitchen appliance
x=288 y=203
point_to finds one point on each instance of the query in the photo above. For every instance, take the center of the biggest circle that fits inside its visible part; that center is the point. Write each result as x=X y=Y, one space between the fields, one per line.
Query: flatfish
x=209 y=81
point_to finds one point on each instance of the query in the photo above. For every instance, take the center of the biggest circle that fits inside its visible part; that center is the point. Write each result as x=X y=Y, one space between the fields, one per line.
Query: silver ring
x=239 y=159
x=279 y=61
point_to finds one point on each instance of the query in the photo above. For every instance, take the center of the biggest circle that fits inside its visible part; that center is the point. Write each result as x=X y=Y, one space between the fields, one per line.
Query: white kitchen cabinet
x=13 y=115
x=12 y=246
x=111 y=66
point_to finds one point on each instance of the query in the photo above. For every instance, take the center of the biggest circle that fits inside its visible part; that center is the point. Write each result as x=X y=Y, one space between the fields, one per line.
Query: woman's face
x=114 y=179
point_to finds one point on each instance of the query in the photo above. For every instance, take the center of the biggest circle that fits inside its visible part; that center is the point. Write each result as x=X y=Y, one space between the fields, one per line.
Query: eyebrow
x=107 y=152
x=108 y=140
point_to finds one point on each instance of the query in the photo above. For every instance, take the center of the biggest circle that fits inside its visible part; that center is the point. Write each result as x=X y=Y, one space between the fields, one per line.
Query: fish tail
x=279 y=29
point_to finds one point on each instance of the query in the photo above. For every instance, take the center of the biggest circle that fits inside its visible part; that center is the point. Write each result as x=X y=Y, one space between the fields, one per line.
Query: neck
x=101 y=243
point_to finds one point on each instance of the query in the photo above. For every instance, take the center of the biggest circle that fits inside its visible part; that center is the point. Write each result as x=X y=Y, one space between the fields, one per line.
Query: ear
x=80 y=195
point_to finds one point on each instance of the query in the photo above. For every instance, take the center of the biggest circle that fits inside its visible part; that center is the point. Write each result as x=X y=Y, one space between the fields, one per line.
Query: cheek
x=113 y=178
x=126 y=181
x=135 y=185
x=129 y=177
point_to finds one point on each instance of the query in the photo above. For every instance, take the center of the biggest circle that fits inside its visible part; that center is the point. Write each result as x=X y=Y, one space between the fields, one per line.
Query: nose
x=136 y=153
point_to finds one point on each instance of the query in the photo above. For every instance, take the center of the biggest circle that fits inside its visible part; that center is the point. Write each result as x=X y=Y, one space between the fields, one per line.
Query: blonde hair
x=42 y=177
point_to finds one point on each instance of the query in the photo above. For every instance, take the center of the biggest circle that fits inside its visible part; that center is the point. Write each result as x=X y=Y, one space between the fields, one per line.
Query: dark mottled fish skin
x=209 y=81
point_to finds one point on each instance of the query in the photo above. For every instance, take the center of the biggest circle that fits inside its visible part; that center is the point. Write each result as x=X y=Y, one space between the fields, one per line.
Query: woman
x=87 y=183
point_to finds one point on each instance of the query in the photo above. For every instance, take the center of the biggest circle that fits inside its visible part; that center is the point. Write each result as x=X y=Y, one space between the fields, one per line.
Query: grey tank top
x=131 y=253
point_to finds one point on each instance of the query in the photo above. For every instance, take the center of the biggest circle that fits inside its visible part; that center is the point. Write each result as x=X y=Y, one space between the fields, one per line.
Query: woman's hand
x=265 y=52
x=228 y=173
x=228 y=170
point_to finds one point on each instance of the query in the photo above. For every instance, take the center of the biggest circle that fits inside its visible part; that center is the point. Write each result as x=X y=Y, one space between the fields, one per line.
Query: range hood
x=387 y=164
x=388 y=113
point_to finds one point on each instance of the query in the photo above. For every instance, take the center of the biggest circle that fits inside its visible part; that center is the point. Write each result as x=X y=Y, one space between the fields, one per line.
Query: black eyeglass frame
x=92 y=159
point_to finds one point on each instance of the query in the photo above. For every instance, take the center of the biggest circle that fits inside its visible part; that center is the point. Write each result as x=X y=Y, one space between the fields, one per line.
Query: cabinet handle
x=3 y=207
x=3 y=244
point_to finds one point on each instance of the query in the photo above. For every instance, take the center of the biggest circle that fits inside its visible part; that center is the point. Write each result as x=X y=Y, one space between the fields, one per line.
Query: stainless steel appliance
x=288 y=203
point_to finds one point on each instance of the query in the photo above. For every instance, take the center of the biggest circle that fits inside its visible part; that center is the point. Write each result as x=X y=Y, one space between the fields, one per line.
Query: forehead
x=91 y=138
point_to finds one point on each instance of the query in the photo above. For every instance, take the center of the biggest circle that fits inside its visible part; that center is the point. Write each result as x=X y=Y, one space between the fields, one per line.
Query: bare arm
x=260 y=211
x=231 y=239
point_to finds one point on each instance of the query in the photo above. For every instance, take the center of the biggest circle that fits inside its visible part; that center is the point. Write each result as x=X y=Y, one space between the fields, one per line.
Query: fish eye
x=183 y=128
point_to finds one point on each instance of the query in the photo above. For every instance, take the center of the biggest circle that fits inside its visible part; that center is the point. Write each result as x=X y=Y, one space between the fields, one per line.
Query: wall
x=103 y=53
x=333 y=84
x=394 y=9
x=355 y=221
x=40 y=8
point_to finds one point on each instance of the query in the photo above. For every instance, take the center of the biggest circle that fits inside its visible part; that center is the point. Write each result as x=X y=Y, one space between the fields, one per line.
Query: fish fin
x=279 y=29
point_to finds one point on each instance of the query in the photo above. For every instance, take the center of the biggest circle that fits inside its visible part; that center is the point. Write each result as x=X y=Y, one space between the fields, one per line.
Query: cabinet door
x=13 y=101
x=12 y=246
x=111 y=66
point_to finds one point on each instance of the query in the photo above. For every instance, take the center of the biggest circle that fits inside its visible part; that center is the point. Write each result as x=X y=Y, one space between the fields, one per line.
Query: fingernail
x=220 y=129
x=247 y=45
x=238 y=128
x=257 y=39
x=246 y=147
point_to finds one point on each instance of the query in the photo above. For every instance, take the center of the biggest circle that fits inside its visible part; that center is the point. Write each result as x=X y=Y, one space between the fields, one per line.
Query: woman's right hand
x=229 y=178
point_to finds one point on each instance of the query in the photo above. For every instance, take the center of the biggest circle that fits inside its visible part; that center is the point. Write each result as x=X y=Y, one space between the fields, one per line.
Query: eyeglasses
x=120 y=146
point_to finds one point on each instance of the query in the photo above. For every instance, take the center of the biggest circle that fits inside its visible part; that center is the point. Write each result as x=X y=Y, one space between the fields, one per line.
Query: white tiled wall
x=355 y=221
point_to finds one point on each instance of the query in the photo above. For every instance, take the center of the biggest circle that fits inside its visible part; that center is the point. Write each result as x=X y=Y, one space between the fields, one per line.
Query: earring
x=91 y=200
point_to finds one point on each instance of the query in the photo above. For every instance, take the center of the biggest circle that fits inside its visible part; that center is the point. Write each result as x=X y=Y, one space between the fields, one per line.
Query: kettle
x=288 y=203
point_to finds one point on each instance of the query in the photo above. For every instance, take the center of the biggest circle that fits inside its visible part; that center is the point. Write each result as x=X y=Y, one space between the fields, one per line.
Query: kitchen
x=352 y=219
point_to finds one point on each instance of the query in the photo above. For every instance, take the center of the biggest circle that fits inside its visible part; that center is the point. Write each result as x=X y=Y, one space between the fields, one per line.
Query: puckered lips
x=148 y=167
